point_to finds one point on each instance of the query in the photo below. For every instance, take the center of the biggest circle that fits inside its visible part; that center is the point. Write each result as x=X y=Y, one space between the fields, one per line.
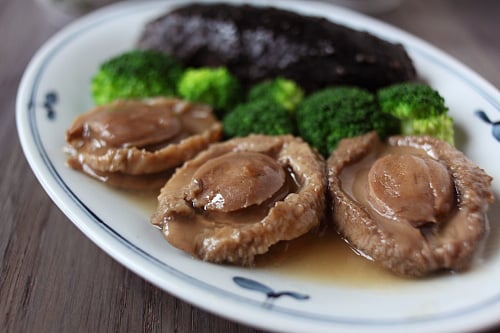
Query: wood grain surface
x=53 y=279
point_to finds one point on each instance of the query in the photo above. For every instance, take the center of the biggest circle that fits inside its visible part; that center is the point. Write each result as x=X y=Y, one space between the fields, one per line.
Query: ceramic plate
x=300 y=296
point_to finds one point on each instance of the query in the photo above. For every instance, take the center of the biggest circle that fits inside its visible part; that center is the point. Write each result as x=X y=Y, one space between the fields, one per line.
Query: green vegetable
x=420 y=108
x=261 y=116
x=440 y=126
x=329 y=115
x=135 y=74
x=280 y=90
x=216 y=87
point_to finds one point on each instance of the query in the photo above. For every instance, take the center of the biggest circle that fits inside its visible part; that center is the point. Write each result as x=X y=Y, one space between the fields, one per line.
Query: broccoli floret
x=283 y=91
x=420 y=108
x=216 y=87
x=261 y=116
x=136 y=74
x=329 y=115
x=411 y=100
x=440 y=126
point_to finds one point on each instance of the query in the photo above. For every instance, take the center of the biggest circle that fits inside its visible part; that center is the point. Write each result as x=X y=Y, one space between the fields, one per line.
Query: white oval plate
x=55 y=89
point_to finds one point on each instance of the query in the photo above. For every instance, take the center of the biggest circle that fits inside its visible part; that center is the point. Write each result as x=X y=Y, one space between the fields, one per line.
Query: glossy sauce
x=320 y=257
x=326 y=258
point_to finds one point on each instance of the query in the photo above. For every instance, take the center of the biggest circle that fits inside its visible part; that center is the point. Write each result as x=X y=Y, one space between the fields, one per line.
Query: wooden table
x=53 y=279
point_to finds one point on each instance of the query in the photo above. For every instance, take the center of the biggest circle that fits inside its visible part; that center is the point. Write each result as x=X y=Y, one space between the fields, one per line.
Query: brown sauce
x=320 y=258
x=145 y=201
x=326 y=259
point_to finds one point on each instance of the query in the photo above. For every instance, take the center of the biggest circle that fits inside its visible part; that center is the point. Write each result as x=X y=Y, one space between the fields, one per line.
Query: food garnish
x=259 y=117
x=216 y=87
x=136 y=74
x=329 y=115
x=420 y=108
x=281 y=91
